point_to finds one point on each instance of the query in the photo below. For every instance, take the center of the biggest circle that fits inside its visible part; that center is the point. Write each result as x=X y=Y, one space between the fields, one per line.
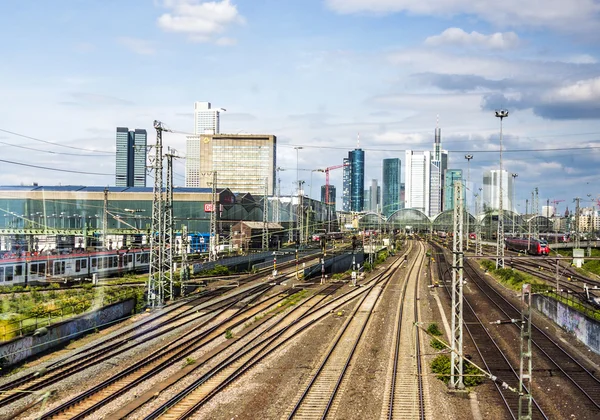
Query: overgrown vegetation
x=217 y=270
x=433 y=329
x=441 y=366
x=27 y=309
x=228 y=334
x=511 y=278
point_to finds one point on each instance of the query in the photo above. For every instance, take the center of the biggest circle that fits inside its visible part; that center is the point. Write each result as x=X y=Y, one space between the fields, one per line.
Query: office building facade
x=417 y=166
x=332 y=195
x=243 y=162
x=491 y=189
x=346 y=185
x=439 y=164
x=391 y=177
x=206 y=118
x=130 y=168
x=450 y=176
x=357 y=166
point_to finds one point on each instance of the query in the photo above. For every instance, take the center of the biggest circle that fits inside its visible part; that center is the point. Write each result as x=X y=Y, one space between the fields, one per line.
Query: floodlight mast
x=502 y=113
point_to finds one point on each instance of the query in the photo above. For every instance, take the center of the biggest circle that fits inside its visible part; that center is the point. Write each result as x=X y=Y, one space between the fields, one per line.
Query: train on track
x=528 y=246
x=44 y=269
x=555 y=237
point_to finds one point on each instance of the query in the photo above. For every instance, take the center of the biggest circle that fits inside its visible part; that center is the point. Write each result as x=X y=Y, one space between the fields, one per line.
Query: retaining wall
x=22 y=348
x=586 y=330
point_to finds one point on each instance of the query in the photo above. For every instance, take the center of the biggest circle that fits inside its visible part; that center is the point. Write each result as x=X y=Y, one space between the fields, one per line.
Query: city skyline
x=384 y=69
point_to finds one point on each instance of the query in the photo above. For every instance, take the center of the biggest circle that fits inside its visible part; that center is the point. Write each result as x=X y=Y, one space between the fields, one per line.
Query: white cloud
x=138 y=46
x=582 y=59
x=581 y=91
x=201 y=21
x=456 y=36
x=573 y=15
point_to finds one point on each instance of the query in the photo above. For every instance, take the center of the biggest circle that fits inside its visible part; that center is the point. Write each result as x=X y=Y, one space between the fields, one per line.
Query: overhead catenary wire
x=54 y=143
x=53 y=169
x=47 y=151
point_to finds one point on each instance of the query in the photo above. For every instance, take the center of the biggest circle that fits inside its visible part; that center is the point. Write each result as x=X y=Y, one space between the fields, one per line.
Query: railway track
x=200 y=391
x=493 y=357
x=404 y=396
x=144 y=369
x=580 y=377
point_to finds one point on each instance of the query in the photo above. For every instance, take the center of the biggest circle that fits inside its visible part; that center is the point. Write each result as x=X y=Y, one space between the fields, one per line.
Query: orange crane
x=326 y=170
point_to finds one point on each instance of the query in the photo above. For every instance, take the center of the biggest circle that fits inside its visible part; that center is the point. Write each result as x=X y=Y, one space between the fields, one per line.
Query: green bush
x=441 y=366
x=433 y=329
x=228 y=334
x=437 y=344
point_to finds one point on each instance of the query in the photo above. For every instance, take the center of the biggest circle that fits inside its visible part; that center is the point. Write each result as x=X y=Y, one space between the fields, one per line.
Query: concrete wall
x=585 y=329
x=22 y=348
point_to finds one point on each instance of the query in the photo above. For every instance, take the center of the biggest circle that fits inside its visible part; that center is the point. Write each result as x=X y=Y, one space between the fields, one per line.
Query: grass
x=513 y=279
x=441 y=366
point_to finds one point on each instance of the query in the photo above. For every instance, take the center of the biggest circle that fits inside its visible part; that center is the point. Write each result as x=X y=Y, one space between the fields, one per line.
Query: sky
x=318 y=74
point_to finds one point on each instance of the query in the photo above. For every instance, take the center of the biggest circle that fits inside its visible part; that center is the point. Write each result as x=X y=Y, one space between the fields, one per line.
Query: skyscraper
x=391 y=186
x=130 y=170
x=206 y=119
x=346 y=185
x=491 y=186
x=424 y=178
x=331 y=195
x=417 y=166
x=439 y=164
x=374 y=193
x=357 y=166
x=450 y=176
x=243 y=162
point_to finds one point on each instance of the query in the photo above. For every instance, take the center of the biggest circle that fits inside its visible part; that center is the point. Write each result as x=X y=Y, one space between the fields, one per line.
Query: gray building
x=391 y=186
x=331 y=195
x=130 y=170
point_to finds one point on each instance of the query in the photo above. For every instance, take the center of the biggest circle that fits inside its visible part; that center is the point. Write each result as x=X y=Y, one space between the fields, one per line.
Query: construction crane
x=555 y=203
x=326 y=170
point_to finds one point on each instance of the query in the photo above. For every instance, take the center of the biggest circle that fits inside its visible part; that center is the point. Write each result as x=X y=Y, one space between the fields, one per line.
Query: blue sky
x=313 y=72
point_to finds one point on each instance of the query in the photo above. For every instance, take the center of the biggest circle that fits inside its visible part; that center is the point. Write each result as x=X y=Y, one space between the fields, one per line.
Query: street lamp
x=299 y=207
x=514 y=208
x=468 y=157
x=502 y=113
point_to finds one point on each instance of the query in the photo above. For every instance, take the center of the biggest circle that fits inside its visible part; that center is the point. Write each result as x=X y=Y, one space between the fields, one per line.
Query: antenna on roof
x=358 y=140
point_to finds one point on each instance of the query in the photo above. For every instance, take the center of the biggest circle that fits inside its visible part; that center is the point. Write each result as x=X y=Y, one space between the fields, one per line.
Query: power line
x=52 y=169
x=46 y=151
x=558 y=149
x=53 y=143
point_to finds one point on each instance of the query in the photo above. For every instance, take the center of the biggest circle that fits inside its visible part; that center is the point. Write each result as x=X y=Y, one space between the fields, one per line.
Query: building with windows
x=206 y=121
x=439 y=164
x=450 y=176
x=374 y=196
x=491 y=189
x=331 y=195
x=243 y=162
x=417 y=167
x=356 y=159
x=391 y=175
x=130 y=170
x=346 y=185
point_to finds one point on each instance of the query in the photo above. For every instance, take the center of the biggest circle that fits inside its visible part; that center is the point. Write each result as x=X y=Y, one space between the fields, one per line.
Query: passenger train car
x=52 y=268
x=528 y=246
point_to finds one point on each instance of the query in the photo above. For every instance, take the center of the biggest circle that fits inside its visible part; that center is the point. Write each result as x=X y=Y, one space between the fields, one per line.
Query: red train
x=528 y=246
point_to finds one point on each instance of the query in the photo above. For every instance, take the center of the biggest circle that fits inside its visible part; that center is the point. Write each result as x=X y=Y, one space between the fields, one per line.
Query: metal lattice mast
x=156 y=272
x=525 y=365
x=105 y=220
x=212 y=256
x=577 y=214
x=536 y=210
x=265 y=229
x=456 y=358
x=300 y=213
x=500 y=243
x=468 y=157
x=478 y=245
x=185 y=267
x=276 y=208
x=168 y=226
